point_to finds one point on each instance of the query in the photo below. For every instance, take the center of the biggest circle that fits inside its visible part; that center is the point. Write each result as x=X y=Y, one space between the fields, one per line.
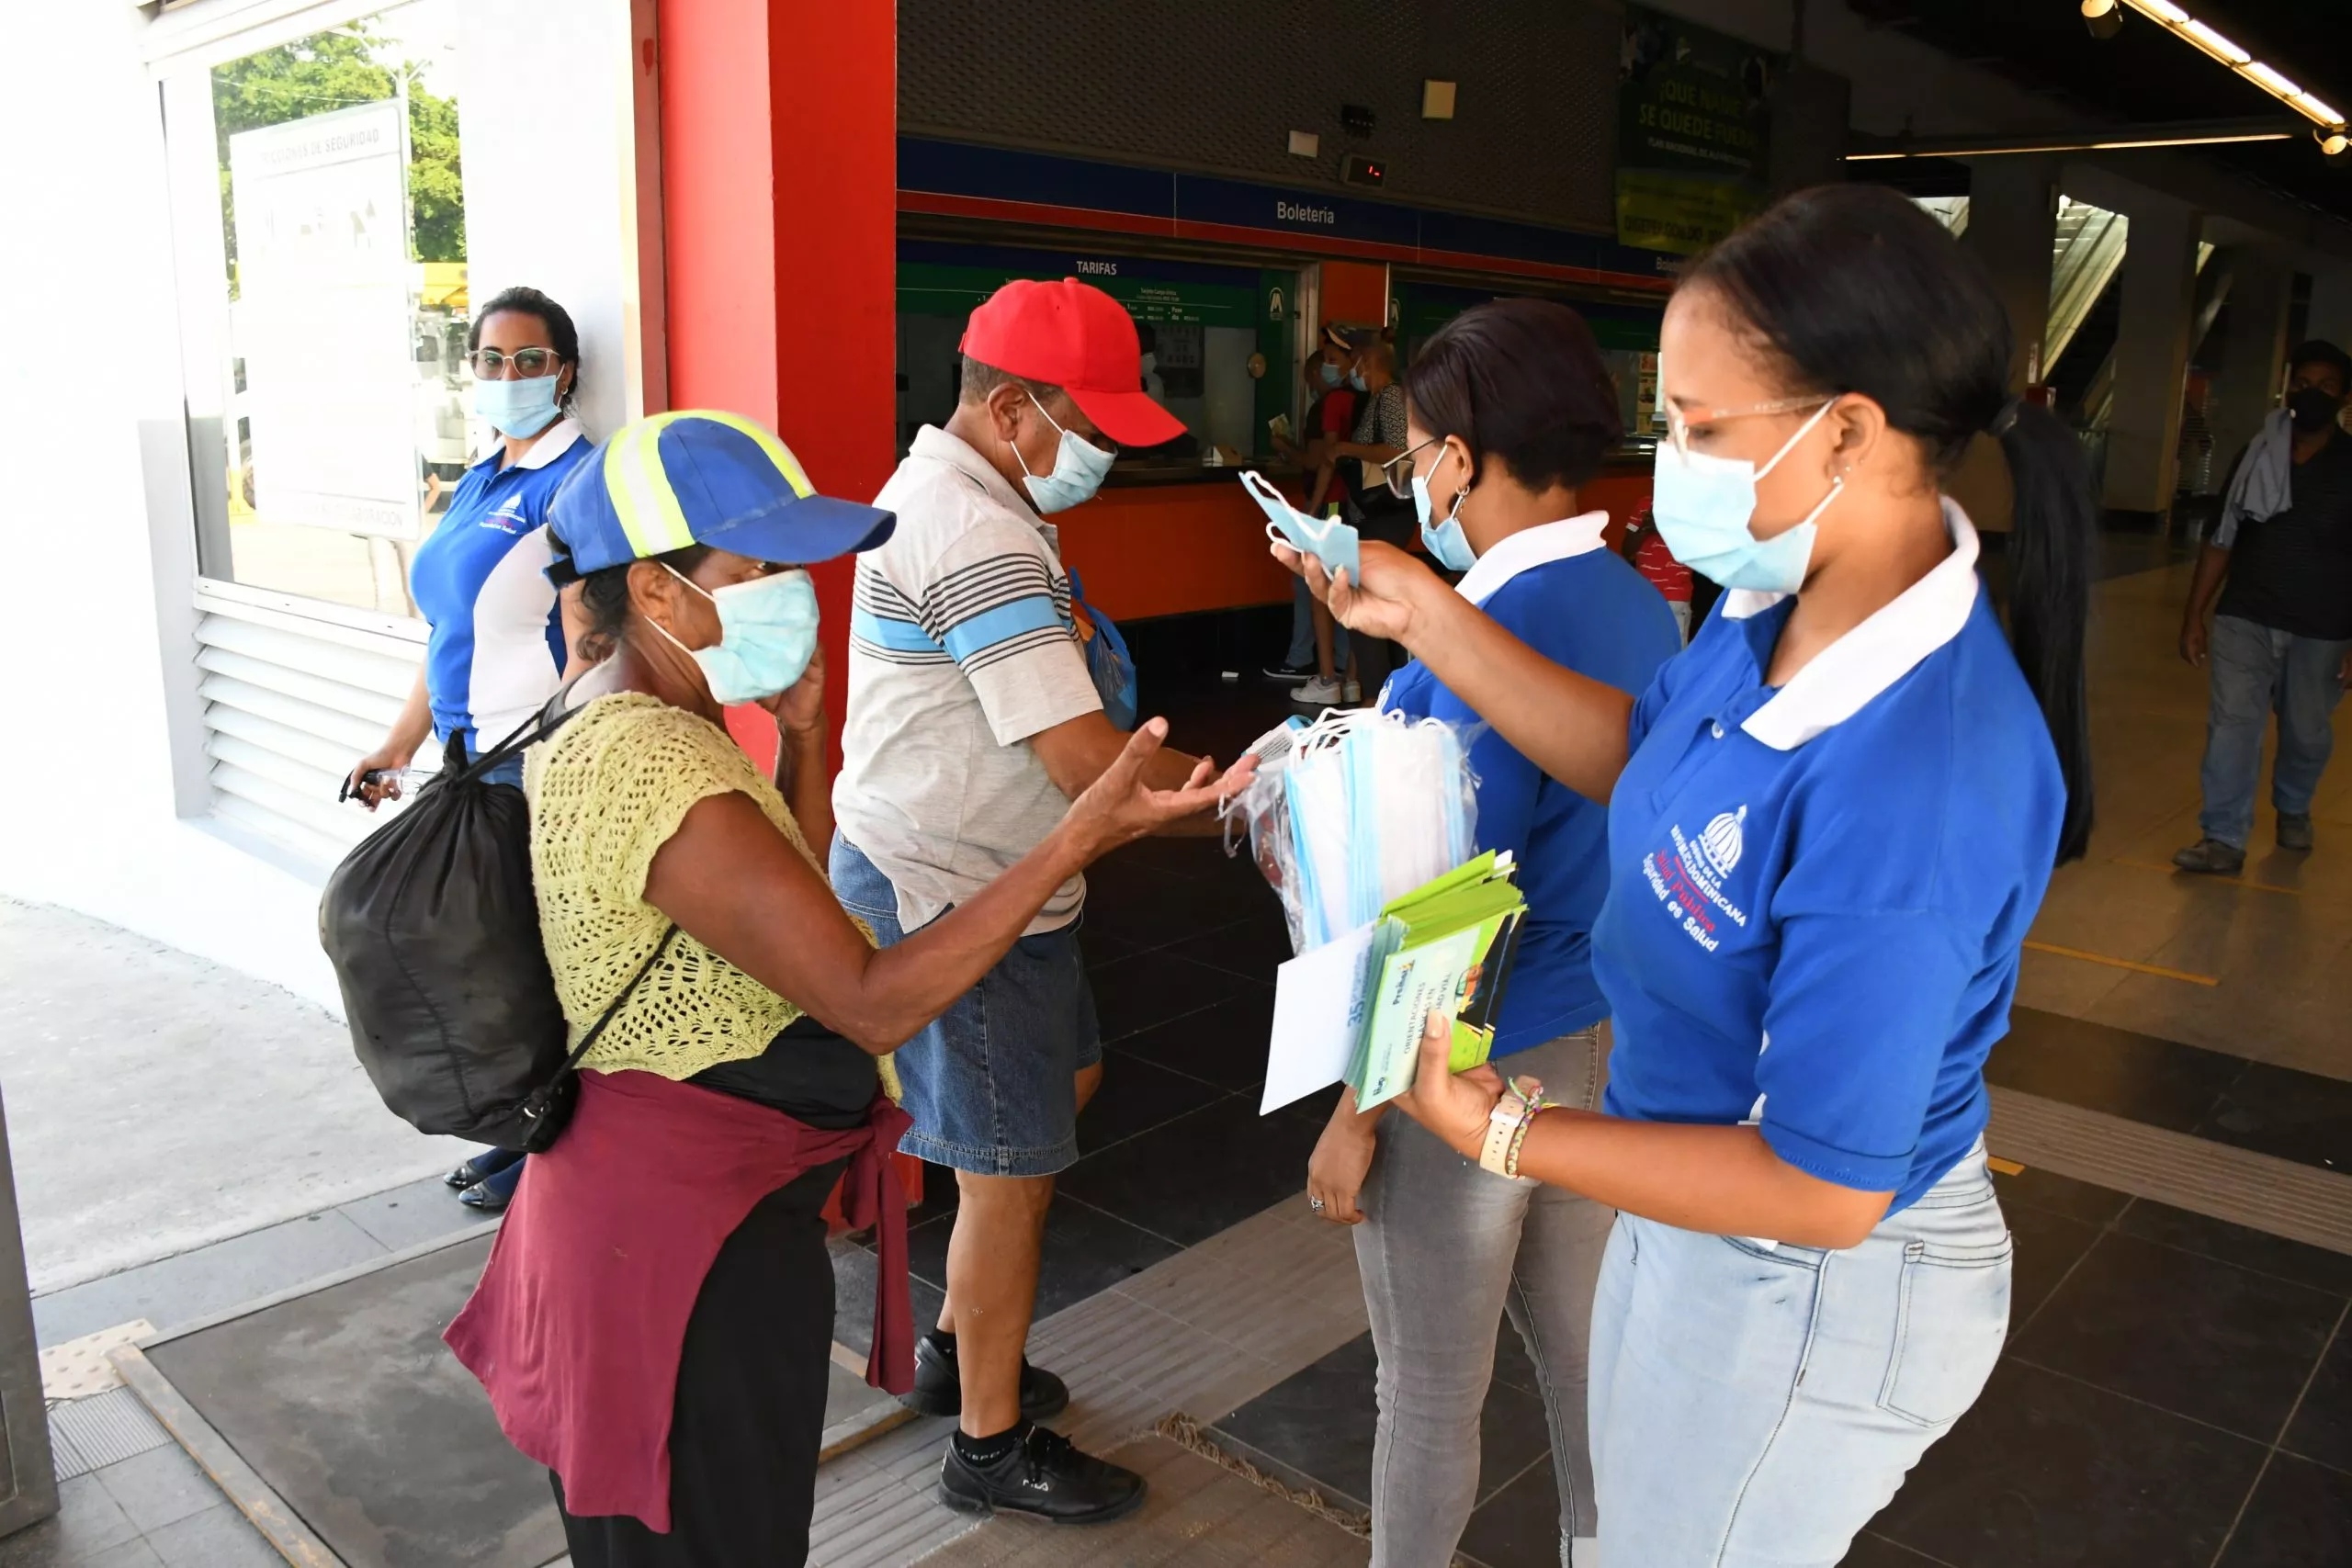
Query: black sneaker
x=2294 y=831
x=1292 y=673
x=938 y=1390
x=1044 y=1476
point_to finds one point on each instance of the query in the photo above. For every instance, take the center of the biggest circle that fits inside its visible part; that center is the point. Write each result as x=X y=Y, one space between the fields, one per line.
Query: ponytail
x=2049 y=595
x=1857 y=290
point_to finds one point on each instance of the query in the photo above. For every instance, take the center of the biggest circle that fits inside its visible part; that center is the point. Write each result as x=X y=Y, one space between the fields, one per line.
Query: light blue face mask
x=767 y=634
x=1332 y=374
x=1446 y=541
x=1355 y=379
x=1704 y=505
x=1327 y=539
x=1079 y=469
x=518 y=408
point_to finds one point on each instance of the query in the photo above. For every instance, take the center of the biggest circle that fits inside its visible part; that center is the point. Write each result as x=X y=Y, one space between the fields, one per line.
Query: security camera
x=2103 y=17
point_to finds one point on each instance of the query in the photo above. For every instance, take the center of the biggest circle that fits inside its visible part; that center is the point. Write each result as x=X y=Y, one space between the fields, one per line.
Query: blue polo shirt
x=1557 y=590
x=1819 y=892
x=496 y=647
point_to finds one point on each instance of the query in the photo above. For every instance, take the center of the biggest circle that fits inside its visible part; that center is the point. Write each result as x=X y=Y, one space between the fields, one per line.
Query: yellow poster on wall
x=1693 y=112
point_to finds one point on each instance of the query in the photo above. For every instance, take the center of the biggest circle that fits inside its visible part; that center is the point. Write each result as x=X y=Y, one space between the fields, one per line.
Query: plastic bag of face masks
x=1354 y=810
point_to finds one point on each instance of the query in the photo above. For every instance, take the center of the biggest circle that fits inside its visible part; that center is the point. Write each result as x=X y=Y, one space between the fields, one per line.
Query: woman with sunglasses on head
x=1510 y=410
x=1831 y=822
x=499 y=634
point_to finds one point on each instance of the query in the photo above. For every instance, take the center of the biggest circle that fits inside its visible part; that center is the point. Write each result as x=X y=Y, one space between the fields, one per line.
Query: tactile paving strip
x=103 y=1430
x=2299 y=1202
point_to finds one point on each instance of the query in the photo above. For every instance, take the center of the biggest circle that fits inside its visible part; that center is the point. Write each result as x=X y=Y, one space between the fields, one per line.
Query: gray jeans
x=1446 y=1251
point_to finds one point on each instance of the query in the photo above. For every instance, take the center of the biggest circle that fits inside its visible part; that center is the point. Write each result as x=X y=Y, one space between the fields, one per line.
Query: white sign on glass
x=323 y=319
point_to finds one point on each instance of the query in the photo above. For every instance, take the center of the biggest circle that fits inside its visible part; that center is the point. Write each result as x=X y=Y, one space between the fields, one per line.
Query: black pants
x=1377 y=658
x=750 y=1404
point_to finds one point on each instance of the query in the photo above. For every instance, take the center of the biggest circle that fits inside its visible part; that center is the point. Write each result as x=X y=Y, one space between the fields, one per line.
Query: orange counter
x=1147 y=550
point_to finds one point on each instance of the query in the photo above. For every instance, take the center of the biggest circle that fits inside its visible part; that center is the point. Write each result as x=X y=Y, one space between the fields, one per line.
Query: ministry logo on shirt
x=1688 y=877
x=508 y=518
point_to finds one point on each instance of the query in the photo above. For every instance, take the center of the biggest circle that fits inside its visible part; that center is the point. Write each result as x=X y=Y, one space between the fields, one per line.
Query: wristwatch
x=1507 y=1126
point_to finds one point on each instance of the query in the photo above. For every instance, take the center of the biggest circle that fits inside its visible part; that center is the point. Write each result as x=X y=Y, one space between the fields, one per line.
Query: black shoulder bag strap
x=549 y=1107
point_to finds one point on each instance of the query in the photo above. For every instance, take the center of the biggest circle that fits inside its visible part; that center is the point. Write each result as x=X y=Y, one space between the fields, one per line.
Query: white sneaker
x=1355 y=693
x=1317 y=694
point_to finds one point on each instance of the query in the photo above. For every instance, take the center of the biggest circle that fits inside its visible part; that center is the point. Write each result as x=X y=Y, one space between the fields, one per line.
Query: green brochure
x=1446 y=944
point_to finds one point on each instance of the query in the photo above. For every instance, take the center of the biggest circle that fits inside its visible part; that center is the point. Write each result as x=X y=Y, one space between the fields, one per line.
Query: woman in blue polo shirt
x=498 y=636
x=1831 y=822
x=1509 y=412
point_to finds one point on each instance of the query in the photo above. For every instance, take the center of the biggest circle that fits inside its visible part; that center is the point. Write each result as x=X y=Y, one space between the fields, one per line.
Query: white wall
x=96 y=523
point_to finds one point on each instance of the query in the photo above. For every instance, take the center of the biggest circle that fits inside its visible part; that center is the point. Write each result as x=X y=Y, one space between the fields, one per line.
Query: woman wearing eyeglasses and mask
x=1831 y=821
x=1510 y=410
x=496 y=649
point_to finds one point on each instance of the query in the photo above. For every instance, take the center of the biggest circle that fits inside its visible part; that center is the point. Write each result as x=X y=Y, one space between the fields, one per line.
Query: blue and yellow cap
x=701 y=478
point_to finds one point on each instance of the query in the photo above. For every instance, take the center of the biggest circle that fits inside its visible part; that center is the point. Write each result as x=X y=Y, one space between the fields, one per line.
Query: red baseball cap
x=1072 y=335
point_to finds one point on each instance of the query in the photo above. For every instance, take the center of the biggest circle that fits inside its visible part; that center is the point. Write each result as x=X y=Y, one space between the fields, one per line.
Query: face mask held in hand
x=1079 y=469
x=1445 y=541
x=767 y=634
x=1704 y=504
x=518 y=408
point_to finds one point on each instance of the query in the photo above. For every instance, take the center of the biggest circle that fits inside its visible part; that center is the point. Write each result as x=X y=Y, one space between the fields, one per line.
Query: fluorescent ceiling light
x=2213 y=43
x=2118 y=144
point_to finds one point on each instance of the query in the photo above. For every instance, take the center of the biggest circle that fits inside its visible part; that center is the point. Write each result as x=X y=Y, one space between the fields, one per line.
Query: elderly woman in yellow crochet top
x=655 y=1323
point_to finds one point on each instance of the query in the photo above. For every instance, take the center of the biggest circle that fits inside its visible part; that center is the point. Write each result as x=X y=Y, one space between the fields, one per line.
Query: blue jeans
x=993 y=1082
x=1302 y=631
x=1754 y=1407
x=2258 y=670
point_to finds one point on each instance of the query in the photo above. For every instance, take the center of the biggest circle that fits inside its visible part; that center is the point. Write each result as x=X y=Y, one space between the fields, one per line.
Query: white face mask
x=1704 y=506
x=1079 y=466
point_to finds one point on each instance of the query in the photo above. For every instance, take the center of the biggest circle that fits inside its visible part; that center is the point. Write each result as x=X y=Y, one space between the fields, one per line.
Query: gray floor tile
x=179 y=1291
x=421 y=1211
x=218 y=1537
x=160 y=1487
x=129 y=1554
x=88 y=1521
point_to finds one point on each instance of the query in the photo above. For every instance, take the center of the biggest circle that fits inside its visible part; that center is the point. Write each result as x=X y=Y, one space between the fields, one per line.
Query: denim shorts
x=991 y=1083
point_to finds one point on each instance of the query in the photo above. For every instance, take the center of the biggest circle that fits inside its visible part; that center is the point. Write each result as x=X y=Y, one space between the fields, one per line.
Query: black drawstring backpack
x=433 y=928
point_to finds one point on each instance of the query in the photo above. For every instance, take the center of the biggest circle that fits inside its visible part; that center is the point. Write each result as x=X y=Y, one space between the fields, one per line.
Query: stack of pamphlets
x=1353 y=1010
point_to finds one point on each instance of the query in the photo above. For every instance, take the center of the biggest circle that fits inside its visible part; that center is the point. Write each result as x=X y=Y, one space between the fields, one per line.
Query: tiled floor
x=147 y=1506
x=2173 y=1385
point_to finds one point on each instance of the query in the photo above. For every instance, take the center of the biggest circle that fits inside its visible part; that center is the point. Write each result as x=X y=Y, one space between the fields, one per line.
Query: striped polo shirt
x=962 y=647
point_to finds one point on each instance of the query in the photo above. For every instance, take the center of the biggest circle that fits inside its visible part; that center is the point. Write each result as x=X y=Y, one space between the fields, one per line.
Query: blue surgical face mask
x=518 y=408
x=1446 y=541
x=1355 y=379
x=767 y=634
x=1327 y=539
x=1332 y=374
x=1704 y=504
x=1079 y=468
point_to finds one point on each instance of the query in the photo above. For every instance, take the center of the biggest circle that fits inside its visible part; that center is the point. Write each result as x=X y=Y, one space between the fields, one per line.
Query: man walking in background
x=2280 y=559
x=972 y=723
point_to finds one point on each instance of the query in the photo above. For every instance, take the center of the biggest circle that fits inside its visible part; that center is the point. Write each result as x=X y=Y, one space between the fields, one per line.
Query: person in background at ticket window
x=1319 y=647
x=1510 y=408
x=972 y=725
x=499 y=633
x=1831 y=821
x=1650 y=556
x=1375 y=511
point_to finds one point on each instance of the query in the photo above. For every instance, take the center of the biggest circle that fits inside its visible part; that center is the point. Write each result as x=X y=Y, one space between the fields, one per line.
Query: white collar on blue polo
x=1844 y=677
x=1529 y=548
x=554 y=444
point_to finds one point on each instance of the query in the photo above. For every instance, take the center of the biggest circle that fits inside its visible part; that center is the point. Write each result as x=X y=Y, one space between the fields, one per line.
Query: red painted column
x=779 y=125
x=779 y=215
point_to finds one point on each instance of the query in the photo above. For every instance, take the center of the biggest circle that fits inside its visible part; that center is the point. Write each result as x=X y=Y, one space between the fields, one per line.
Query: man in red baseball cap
x=972 y=724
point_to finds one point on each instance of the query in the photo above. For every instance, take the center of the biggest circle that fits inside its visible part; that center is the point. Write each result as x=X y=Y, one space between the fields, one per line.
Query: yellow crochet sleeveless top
x=606 y=792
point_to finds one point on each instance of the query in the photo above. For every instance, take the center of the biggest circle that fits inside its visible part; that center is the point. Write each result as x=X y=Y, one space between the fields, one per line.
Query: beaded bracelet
x=1519 y=1138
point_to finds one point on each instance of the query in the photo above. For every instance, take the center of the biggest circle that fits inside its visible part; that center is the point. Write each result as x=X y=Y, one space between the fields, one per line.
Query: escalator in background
x=2085 y=255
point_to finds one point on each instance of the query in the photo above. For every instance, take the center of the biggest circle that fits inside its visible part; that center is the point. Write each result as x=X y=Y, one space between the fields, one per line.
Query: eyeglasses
x=1398 y=470
x=1678 y=423
x=530 y=363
